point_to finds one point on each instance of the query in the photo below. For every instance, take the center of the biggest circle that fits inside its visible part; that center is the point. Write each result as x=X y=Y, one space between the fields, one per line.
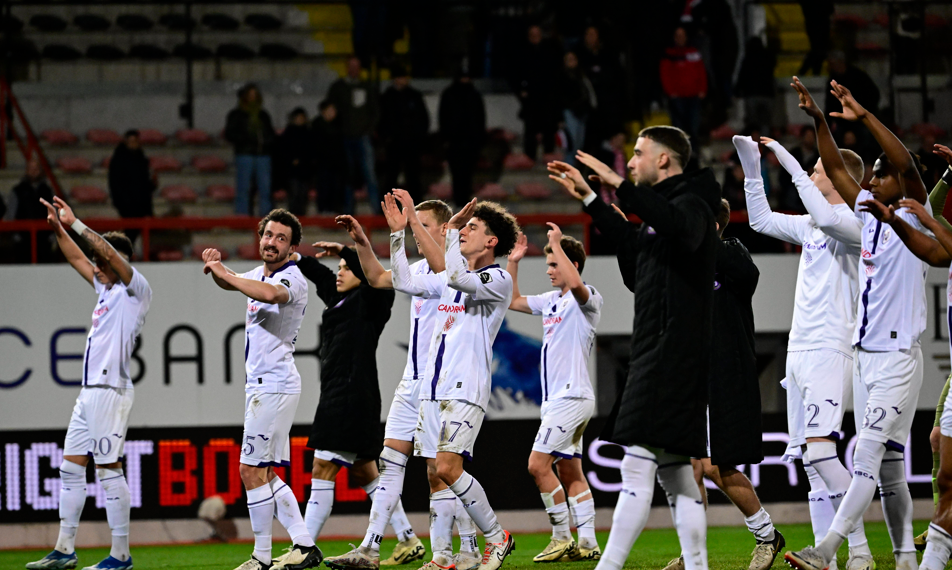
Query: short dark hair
x=673 y=138
x=723 y=216
x=573 y=249
x=325 y=104
x=284 y=217
x=500 y=223
x=441 y=211
x=297 y=111
x=119 y=242
x=915 y=159
x=131 y=133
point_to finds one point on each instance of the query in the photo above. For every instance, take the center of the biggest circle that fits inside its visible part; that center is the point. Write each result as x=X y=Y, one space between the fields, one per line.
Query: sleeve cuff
x=589 y=199
x=400 y=233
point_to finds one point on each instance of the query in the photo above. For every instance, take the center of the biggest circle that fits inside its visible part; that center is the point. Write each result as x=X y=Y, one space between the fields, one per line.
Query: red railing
x=28 y=147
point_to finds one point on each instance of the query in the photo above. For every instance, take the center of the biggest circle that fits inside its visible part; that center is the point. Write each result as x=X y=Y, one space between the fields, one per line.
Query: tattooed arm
x=100 y=247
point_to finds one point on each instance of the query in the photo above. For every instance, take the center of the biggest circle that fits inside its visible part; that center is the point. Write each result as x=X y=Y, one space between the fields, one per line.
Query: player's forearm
x=222 y=283
x=377 y=276
x=845 y=186
x=399 y=265
x=432 y=251
x=457 y=275
x=512 y=268
x=73 y=254
x=942 y=234
x=257 y=290
x=897 y=154
x=104 y=250
x=921 y=245
x=572 y=277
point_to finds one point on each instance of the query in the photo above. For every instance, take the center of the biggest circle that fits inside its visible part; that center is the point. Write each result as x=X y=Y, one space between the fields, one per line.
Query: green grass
x=728 y=548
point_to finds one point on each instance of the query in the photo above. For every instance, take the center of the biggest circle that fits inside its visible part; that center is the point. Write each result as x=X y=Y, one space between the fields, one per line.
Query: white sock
x=583 y=511
x=288 y=512
x=467 y=529
x=118 y=504
x=474 y=499
x=398 y=518
x=676 y=476
x=867 y=458
x=261 y=510
x=821 y=514
x=319 y=506
x=836 y=479
x=760 y=525
x=442 y=513
x=638 y=469
x=558 y=515
x=387 y=496
x=72 y=501
x=897 y=506
x=938 y=549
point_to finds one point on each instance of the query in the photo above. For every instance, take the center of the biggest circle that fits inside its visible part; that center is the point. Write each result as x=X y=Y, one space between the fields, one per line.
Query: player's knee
x=324 y=470
x=934 y=439
x=712 y=472
x=251 y=476
x=447 y=472
x=538 y=468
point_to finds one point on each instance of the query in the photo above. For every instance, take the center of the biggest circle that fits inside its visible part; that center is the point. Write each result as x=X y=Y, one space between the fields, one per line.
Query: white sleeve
x=767 y=222
x=403 y=279
x=99 y=287
x=295 y=284
x=140 y=287
x=594 y=303
x=863 y=196
x=488 y=285
x=536 y=303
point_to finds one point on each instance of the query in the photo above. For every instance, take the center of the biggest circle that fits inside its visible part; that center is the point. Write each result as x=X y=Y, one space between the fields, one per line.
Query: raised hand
x=806 y=100
x=520 y=249
x=766 y=140
x=603 y=173
x=569 y=178
x=52 y=216
x=916 y=208
x=852 y=111
x=330 y=248
x=210 y=256
x=620 y=213
x=879 y=211
x=65 y=212
x=396 y=219
x=943 y=151
x=353 y=229
x=554 y=234
x=460 y=218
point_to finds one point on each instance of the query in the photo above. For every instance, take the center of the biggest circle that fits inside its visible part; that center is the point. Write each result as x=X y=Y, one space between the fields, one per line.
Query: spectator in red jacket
x=684 y=80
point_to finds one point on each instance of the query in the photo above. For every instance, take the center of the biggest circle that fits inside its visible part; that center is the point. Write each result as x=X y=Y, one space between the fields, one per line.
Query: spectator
x=295 y=161
x=404 y=124
x=862 y=87
x=131 y=182
x=357 y=102
x=249 y=129
x=602 y=67
x=578 y=100
x=25 y=205
x=716 y=36
x=684 y=80
x=806 y=153
x=733 y=187
x=756 y=84
x=331 y=163
x=535 y=85
x=932 y=163
x=816 y=18
x=463 y=129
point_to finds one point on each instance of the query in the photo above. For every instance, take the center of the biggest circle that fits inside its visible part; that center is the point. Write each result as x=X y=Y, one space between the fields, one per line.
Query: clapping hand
x=603 y=173
x=463 y=216
x=519 y=250
x=396 y=218
x=806 y=100
x=570 y=178
x=353 y=229
x=329 y=248
x=852 y=111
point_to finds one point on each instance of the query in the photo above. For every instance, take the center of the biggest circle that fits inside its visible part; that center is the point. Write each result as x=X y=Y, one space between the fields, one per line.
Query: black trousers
x=404 y=157
x=462 y=162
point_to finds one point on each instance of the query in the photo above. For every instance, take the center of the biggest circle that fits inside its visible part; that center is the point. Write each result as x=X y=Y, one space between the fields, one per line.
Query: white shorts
x=459 y=425
x=819 y=385
x=563 y=422
x=99 y=423
x=342 y=458
x=403 y=417
x=886 y=385
x=268 y=418
x=426 y=438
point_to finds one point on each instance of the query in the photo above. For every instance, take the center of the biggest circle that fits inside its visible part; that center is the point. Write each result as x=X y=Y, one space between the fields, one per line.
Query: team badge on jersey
x=286 y=283
x=449 y=323
x=418 y=306
x=887 y=233
x=485 y=277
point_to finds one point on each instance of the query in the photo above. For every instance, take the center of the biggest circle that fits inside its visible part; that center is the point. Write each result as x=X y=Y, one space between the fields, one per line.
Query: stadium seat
x=935 y=22
x=134 y=22
x=279 y=195
x=492 y=191
x=88 y=194
x=164 y=164
x=21 y=50
x=152 y=137
x=551 y=156
x=234 y=51
x=854 y=20
x=723 y=133
x=105 y=162
x=198 y=248
x=91 y=23
x=248 y=251
x=104 y=137
x=194 y=51
x=922 y=129
x=169 y=255
x=518 y=161
x=104 y=52
x=306 y=249
x=220 y=192
x=10 y=24
x=148 y=52
x=177 y=22
x=61 y=52
x=263 y=22
x=209 y=163
x=74 y=165
x=441 y=190
x=534 y=191
x=59 y=137
x=179 y=193
x=881 y=20
x=193 y=136
x=220 y=22
x=278 y=51
x=48 y=23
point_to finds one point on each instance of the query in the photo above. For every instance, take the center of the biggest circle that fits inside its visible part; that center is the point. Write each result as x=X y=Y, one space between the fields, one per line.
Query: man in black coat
x=404 y=124
x=25 y=205
x=463 y=129
x=346 y=430
x=331 y=160
x=535 y=83
x=131 y=183
x=294 y=161
x=668 y=263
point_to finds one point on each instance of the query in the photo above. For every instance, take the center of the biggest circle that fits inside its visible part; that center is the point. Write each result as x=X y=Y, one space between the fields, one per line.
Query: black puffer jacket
x=348 y=415
x=736 y=437
x=668 y=263
x=239 y=133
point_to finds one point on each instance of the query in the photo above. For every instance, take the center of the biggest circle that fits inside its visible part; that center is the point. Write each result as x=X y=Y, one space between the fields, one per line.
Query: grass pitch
x=728 y=548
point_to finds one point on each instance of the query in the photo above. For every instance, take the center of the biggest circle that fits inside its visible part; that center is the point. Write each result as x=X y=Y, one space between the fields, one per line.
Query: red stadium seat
x=247 y=251
x=88 y=195
x=922 y=129
x=492 y=191
x=518 y=162
x=193 y=136
x=935 y=21
x=209 y=163
x=881 y=20
x=306 y=249
x=179 y=193
x=152 y=137
x=74 y=165
x=441 y=190
x=220 y=192
x=59 y=137
x=105 y=162
x=105 y=137
x=164 y=164
x=169 y=255
x=534 y=191
x=360 y=194
x=198 y=248
x=279 y=195
x=549 y=157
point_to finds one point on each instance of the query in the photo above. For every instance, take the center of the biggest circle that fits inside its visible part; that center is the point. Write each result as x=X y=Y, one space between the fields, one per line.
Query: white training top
x=892 y=310
x=568 y=335
x=470 y=312
x=422 y=320
x=117 y=321
x=271 y=331
x=824 y=312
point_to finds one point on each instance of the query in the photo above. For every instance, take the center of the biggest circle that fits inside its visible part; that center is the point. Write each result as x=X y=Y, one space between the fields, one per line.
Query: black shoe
x=299 y=558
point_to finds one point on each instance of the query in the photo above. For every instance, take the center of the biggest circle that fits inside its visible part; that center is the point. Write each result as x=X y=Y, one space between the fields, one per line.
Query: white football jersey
x=892 y=308
x=568 y=336
x=271 y=331
x=422 y=319
x=117 y=321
